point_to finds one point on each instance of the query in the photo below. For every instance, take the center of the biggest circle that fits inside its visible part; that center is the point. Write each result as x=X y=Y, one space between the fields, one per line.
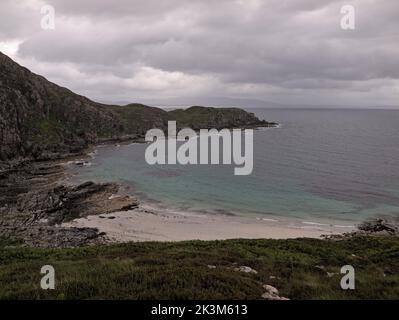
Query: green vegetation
x=203 y=114
x=205 y=117
x=44 y=131
x=138 y=118
x=151 y=270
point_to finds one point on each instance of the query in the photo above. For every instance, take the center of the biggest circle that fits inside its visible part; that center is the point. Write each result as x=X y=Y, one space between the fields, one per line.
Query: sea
x=319 y=167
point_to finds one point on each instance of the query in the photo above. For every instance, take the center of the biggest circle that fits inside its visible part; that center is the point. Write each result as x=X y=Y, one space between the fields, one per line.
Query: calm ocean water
x=321 y=166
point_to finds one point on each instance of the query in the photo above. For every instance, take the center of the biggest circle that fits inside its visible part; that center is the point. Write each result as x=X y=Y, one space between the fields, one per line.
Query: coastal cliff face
x=40 y=120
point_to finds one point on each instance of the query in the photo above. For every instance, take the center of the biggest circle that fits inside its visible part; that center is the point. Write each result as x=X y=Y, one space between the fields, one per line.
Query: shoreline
x=152 y=222
x=148 y=223
x=44 y=208
x=58 y=213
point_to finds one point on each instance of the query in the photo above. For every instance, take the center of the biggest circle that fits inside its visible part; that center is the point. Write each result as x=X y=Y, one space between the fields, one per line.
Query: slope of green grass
x=151 y=270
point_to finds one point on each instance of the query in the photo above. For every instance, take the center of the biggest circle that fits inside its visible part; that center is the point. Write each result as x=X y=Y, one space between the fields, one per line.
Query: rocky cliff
x=41 y=120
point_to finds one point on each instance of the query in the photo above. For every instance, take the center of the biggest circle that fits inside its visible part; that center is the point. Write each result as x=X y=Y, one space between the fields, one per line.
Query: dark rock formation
x=33 y=204
x=379 y=226
x=372 y=227
x=66 y=203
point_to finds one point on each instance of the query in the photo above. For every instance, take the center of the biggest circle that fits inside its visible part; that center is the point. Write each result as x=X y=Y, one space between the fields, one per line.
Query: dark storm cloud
x=291 y=51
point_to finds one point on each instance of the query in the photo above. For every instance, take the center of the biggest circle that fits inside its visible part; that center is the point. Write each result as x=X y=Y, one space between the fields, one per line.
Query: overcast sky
x=206 y=51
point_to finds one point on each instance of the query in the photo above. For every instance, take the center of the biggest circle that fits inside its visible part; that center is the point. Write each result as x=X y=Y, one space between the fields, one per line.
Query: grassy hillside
x=300 y=269
x=138 y=118
x=205 y=117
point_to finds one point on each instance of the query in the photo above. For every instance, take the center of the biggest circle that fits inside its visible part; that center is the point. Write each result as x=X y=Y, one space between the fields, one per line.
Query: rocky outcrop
x=379 y=226
x=33 y=205
x=373 y=227
x=55 y=237
x=272 y=293
x=245 y=269
x=65 y=203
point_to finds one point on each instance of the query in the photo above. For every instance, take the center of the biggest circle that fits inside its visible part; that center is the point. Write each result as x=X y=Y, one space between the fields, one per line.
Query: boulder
x=245 y=269
x=272 y=293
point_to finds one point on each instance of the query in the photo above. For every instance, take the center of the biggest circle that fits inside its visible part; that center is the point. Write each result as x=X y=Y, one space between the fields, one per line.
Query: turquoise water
x=326 y=166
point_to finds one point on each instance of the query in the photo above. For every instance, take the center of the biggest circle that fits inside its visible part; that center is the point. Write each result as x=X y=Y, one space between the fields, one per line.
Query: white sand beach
x=147 y=224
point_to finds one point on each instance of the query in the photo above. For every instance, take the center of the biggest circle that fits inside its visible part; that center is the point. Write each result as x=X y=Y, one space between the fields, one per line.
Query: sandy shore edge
x=151 y=223
x=148 y=224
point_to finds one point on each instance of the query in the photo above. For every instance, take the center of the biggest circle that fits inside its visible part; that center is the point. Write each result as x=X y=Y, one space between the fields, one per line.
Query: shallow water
x=321 y=167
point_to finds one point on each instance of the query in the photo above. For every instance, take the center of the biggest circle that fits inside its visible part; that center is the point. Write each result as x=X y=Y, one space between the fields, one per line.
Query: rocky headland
x=40 y=120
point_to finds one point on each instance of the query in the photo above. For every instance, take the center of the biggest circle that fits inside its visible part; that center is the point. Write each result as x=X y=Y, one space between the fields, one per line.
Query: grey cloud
x=249 y=49
x=18 y=19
